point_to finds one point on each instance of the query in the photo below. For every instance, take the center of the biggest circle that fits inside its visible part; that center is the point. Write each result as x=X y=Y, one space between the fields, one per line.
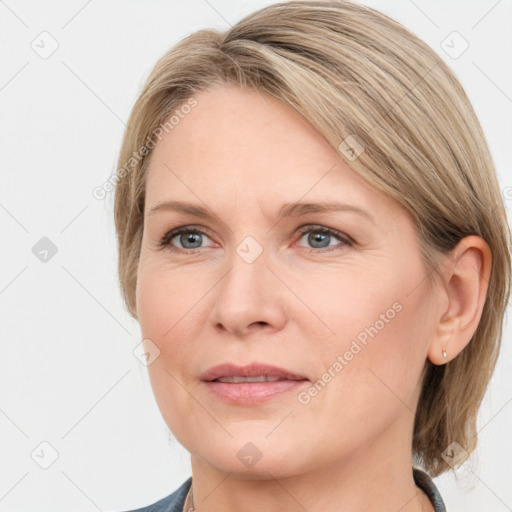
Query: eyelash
x=165 y=242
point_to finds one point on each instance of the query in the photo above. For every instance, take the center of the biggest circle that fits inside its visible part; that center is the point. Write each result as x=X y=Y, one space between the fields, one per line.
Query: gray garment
x=175 y=501
x=426 y=484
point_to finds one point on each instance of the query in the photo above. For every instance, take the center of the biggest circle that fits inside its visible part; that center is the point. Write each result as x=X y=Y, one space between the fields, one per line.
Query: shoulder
x=172 y=503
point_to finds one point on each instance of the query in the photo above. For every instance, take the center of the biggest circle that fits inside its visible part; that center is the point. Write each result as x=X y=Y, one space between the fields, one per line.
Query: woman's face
x=349 y=310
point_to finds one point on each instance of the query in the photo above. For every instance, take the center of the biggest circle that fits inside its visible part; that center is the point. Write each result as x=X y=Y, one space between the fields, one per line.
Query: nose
x=249 y=298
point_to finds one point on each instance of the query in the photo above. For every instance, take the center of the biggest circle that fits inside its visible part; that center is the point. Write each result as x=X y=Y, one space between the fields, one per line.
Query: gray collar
x=175 y=501
x=426 y=484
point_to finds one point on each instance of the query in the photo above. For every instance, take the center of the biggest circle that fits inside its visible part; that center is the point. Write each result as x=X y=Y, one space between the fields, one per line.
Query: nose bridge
x=246 y=279
x=248 y=294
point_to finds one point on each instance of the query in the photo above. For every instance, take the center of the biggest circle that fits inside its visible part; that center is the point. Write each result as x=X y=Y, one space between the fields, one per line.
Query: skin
x=243 y=154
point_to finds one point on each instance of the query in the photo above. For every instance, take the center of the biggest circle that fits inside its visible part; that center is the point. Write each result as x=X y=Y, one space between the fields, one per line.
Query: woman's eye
x=320 y=238
x=190 y=239
x=187 y=238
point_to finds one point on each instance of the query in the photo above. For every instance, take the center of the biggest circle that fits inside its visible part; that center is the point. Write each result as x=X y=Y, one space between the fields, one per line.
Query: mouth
x=260 y=378
x=254 y=372
x=251 y=384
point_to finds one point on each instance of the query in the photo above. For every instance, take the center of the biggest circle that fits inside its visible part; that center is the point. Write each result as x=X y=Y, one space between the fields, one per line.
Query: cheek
x=154 y=302
x=172 y=307
x=164 y=313
x=166 y=301
x=380 y=340
x=160 y=308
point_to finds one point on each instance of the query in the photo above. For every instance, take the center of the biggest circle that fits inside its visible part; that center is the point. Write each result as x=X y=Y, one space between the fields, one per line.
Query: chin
x=252 y=460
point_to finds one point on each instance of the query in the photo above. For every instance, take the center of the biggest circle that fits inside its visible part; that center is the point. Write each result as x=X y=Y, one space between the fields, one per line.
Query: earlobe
x=444 y=346
x=467 y=273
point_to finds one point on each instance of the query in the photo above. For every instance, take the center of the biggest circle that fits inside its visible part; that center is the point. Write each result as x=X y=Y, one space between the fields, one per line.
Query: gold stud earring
x=445 y=354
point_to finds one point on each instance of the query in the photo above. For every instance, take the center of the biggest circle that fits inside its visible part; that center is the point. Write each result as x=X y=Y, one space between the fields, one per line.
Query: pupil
x=190 y=238
x=318 y=237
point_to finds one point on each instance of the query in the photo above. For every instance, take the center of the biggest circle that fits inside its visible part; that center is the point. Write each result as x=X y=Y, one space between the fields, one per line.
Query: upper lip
x=250 y=370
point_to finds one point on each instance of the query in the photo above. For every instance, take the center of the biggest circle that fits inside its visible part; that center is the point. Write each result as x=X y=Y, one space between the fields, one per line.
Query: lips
x=262 y=372
x=252 y=384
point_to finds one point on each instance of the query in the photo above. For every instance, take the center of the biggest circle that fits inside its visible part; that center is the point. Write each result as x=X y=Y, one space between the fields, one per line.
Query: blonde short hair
x=356 y=75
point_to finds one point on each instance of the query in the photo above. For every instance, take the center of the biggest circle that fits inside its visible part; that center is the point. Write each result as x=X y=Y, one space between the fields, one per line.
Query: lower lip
x=250 y=393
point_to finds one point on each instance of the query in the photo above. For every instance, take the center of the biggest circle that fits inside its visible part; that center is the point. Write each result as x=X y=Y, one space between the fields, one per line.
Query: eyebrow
x=286 y=210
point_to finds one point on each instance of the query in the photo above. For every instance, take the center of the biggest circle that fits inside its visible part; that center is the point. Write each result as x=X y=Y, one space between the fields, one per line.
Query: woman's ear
x=467 y=272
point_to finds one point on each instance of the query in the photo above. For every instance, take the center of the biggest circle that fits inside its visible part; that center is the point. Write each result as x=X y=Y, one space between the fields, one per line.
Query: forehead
x=240 y=146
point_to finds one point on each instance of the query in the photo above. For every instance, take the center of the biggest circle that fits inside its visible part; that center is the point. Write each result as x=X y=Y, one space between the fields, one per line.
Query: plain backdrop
x=79 y=427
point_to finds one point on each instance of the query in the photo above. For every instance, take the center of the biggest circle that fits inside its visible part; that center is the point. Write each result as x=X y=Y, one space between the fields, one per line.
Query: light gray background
x=68 y=376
